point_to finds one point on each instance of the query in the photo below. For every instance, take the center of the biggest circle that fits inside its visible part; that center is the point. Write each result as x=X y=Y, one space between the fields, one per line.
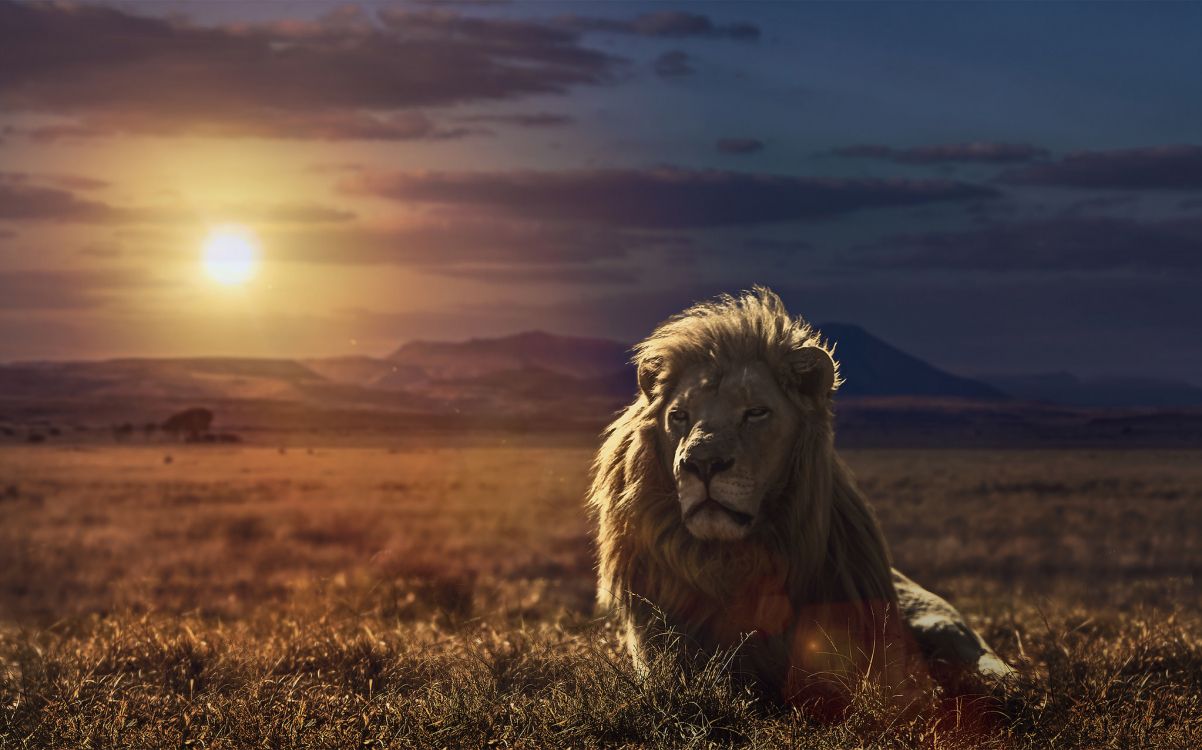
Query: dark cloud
x=583 y=275
x=68 y=181
x=22 y=201
x=772 y=246
x=473 y=3
x=1156 y=168
x=1068 y=243
x=67 y=289
x=463 y=241
x=525 y=120
x=345 y=76
x=1102 y=204
x=980 y=151
x=669 y=23
x=739 y=146
x=656 y=198
x=674 y=64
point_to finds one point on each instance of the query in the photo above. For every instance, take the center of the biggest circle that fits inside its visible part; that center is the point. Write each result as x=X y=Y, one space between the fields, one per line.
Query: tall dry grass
x=440 y=598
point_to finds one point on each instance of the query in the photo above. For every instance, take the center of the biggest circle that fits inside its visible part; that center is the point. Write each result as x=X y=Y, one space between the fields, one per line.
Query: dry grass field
x=218 y=597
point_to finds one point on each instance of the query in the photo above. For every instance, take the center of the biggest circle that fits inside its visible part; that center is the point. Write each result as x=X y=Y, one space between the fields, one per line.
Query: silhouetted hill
x=357 y=369
x=198 y=377
x=501 y=373
x=539 y=381
x=368 y=372
x=1066 y=388
x=870 y=367
x=568 y=355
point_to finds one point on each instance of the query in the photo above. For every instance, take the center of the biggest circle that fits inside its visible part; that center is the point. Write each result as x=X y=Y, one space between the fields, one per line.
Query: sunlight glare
x=231 y=255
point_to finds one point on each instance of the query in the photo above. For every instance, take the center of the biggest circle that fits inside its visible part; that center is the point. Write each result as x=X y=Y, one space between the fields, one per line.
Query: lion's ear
x=648 y=373
x=813 y=371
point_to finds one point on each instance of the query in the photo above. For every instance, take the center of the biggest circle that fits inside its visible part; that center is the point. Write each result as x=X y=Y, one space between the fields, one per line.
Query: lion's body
x=809 y=591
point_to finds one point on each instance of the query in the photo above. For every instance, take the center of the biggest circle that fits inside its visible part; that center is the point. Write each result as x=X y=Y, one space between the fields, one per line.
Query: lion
x=727 y=522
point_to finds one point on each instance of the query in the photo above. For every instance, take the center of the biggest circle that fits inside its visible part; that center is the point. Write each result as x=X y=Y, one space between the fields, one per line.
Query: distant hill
x=368 y=372
x=504 y=373
x=538 y=381
x=870 y=367
x=1065 y=388
x=196 y=378
x=533 y=350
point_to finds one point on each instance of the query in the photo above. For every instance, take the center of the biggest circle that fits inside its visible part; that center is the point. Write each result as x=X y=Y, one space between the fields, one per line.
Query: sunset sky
x=998 y=188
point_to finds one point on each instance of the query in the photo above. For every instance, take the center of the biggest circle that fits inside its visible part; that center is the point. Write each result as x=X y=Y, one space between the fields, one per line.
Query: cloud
x=104 y=250
x=478 y=3
x=23 y=199
x=348 y=75
x=669 y=23
x=1102 y=203
x=461 y=241
x=739 y=146
x=674 y=64
x=525 y=120
x=324 y=126
x=1155 y=168
x=979 y=151
x=582 y=275
x=1068 y=243
x=773 y=246
x=666 y=198
x=283 y=213
x=65 y=180
x=66 y=289
x=336 y=167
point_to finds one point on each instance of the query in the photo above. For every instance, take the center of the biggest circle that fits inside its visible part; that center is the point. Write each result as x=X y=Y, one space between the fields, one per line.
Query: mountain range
x=1070 y=390
x=525 y=374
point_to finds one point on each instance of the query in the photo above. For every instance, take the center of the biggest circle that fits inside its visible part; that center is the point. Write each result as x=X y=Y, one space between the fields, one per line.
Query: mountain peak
x=871 y=367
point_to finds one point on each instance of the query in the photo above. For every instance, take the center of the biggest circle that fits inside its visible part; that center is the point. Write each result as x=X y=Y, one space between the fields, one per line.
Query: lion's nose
x=706 y=468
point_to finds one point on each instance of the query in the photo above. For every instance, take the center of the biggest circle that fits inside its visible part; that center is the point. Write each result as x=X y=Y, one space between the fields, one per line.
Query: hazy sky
x=1010 y=187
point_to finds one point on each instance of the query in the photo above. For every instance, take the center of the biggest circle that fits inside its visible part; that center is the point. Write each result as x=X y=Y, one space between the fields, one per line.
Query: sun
x=231 y=255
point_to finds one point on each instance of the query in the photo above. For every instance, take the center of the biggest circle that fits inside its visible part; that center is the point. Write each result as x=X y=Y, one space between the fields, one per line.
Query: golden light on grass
x=231 y=255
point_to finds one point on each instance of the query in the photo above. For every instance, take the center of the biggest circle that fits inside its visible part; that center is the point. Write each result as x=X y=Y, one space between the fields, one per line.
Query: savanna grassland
x=230 y=596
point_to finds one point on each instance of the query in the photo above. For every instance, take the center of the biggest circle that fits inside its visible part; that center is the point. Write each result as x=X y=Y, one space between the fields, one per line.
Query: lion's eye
x=678 y=416
x=758 y=412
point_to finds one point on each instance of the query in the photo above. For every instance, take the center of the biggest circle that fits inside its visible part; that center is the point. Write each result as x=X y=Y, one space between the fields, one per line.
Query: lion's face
x=729 y=439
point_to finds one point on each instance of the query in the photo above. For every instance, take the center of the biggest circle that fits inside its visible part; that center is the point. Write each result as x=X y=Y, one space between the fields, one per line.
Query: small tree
x=192 y=423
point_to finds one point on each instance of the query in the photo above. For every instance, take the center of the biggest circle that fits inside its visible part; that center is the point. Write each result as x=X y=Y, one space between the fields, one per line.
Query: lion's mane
x=819 y=548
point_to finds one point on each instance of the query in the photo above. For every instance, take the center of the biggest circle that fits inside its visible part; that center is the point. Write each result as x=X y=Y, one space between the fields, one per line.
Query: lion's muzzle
x=710 y=504
x=705 y=468
x=716 y=500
